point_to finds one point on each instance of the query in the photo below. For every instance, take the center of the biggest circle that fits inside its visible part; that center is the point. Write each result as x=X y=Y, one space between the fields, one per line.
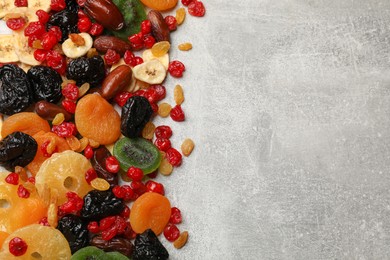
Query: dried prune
x=118 y=244
x=148 y=247
x=101 y=204
x=45 y=83
x=84 y=70
x=75 y=231
x=66 y=19
x=98 y=162
x=135 y=114
x=15 y=90
x=17 y=149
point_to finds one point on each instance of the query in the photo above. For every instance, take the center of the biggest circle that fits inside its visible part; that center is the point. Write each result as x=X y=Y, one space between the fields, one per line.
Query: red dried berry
x=23 y=192
x=186 y=2
x=138 y=187
x=149 y=41
x=70 y=91
x=128 y=56
x=109 y=233
x=43 y=16
x=31 y=179
x=65 y=129
x=69 y=105
x=16 y=23
x=153 y=186
x=57 y=5
x=151 y=95
x=163 y=144
x=171 y=22
x=134 y=173
x=196 y=8
x=34 y=29
x=17 y=246
x=175 y=216
x=81 y=3
x=49 y=40
x=96 y=29
x=12 y=178
x=163 y=131
x=40 y=55
x=57 y=32
x=56 y=61
x=136 y=41
x=146 y=27
x=106 y=222
x=128 y=193
x=88 y=152
x=176 y=69
x=112 y=164
x=171 y=232
x=111 y=57
x=44 y=222
x=44 y=146
x=73 y=204
x=173 y=156
x=160 y=92
x=93 y=227
x=136 y=61
x=177 y=114
x=81 y=14
x=84 y=24
x=21 y=3
x=154 y=107
x=121 y=98
x=125 y=212
x=90 y=175
x=118 y=192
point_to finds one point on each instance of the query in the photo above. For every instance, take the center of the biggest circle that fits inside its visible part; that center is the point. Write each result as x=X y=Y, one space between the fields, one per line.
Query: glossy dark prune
x=17 y=149
x=66 y=19
x=89 y=70
x=45 y=83
x=135 y=114
x=99 y=161
x=15 y=90
x=75 y=231
x=101 y=204
x=148 y=247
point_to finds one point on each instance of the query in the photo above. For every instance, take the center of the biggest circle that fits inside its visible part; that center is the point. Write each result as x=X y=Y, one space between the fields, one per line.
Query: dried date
x=119 y=244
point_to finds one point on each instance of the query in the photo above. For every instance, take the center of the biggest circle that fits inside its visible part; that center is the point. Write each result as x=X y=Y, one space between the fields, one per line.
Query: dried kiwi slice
x=116 y=256
x=89 y=252
x=137 y=152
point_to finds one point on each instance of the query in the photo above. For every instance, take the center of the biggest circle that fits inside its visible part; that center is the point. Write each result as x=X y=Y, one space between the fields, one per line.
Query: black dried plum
x=148 y=247
x=99 y=164
x=75 y=231
x=17 y=149
x=135 y=114
x=66 y=19
x=101 y=204
x=45 y=83
x=89 y=70
x=15 y=90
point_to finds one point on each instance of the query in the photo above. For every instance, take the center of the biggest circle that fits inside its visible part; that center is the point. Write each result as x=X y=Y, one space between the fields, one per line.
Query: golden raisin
x=187 y=146
x=160 y=48
x=73 y=143
x=83 y=89
x=77 y=39
x=165 y=167
x=93 y=143
x=181 y=240
x=185 y=46
x=180 y=15
x=92 y=52
x=83 y=143
x=22 y=172
x=178 y=95
x=58 y=119
x=100 y=184
x=148 y=130
x=52 y=216
x=164 y=109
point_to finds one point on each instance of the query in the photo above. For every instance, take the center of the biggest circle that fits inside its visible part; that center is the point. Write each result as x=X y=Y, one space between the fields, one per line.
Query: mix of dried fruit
x=80 y=182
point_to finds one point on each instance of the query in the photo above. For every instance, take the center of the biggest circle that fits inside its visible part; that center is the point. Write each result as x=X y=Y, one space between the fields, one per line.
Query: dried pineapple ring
x=63 y=172
x=16 y=212
x=42 y=243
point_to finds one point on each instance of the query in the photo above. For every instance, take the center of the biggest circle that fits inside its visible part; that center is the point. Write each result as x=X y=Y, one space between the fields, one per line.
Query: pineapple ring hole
x=36 y=255
x=70 y=183
x=4 y=204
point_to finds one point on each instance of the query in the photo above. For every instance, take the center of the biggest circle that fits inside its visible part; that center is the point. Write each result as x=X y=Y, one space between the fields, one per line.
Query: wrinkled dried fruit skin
x=75 y=231
x=116 y=81
x=66 y=20
x=104 y=42
x=101 y=204
x=118 y=244
x=105 y=12
x=48 y=110
x=84 y=70
x=160 y=29
x=135 y=114
x=98 y=163
x=17 y=149
x=45 y=83
x=15 y=90
x=147 y=246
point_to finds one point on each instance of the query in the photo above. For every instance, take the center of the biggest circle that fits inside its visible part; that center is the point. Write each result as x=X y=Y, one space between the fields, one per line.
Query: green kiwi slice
x=90 y=253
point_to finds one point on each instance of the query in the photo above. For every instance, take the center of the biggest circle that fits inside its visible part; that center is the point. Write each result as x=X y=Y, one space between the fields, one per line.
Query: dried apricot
x=3 y=236
x=96 y=119
x=150 y=210
x=160 y=5
x=26 y=122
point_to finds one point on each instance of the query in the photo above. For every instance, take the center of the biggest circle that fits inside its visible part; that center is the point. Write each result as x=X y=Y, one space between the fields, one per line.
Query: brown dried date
x=106 y=13
x=99 y=164
x=119 y=244
x=116 y=81
x=160 y=29
x=103 y=43
x=48 y=110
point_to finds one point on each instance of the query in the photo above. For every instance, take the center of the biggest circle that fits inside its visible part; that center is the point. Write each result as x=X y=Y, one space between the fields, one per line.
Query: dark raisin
x=66 y=19
x=89 y=70
x=101 y=204
x=45 y=83
x=17 y=149
x=75 y=231
x=15 y=90
x=148 y=247
x=118 y=244
x=99 y=161
x=135 y=114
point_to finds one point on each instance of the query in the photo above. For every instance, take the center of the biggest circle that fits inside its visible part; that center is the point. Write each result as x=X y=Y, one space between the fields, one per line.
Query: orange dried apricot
x=96 y=119
x=150 y=210
x=3 y=236
x=26 y=122
x=160 y=5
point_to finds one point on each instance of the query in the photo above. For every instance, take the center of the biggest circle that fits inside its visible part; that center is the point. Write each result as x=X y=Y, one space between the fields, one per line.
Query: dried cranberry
x=134 y=173
x=16 y=23
x=81 y=2
x=34 y=29
x=136 y=41
x=175 y=216
x=90 y=175
x=128 y=56
x=65 y=129
x=154 y=107
x=112 y=164
x=57 y=32
x=153 y=186
x=88 y=152
x=57 y=5
x=163 y=131
x=20 y=3
x=84 y=24
x=12 y=178
x=111 y=57
x=56 y=61
x=196 y=8
x=149 y=41
x=44 y=147
x=17 y=246
x=171 y=22
x=44 y=222
x=177 y=113
x=126 y=212
x=93 y=227
x=160 y=91
x=49 y=40
x=106 y=223
x=118 y=192
x=162 y=144
x=171 y=232
x=176 y=69
x=173 y=157
x=40 y=55
x=96 y=29
x=136 y=61
x=186 y=2
x=121 y=98
x=69 y=105
x=138 y=187
x=43 y=16
x=73 y=204
x=128 y=193
x=146 y=27
x=23 y=192
x=81 y=14
x=70 y=91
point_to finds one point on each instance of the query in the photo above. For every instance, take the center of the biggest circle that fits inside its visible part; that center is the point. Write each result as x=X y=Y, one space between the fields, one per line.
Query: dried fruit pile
x=80 y=84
